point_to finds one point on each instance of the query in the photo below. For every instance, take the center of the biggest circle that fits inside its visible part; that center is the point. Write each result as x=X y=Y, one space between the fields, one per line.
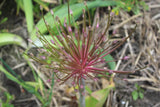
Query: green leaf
x=73 y=1
x=34 y=84
x=8 y=38
x=40 y=83
x=88 y=89
x=28 y=9
x=136 y=85
x=19 y=5
x=62 y=13
x=3 y=20
x=9 y=97
x=112 y=64
x=98 y=98
x=141 y=95
x=38 y=43
x=135 y=95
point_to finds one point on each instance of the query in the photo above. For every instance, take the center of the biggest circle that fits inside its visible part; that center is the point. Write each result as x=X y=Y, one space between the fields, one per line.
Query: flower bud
x=126 y=57
x=52 y=41
x=52 y=12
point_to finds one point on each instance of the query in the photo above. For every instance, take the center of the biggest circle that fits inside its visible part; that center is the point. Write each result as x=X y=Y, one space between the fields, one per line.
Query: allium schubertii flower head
x=76 y=50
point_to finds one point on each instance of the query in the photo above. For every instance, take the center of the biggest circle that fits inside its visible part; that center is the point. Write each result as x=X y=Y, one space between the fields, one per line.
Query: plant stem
x=82 y=93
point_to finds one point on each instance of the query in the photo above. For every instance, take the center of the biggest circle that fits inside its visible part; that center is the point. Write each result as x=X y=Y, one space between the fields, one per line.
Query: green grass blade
x=28 y=9
x=62 y=13
x=19 y=5
x=8 y=38
x=50 y=93
x=28 y=87
x=3 y=20
x=9 y=75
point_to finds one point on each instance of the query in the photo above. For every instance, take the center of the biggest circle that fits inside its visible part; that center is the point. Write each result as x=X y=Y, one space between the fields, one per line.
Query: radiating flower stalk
x=74 y=53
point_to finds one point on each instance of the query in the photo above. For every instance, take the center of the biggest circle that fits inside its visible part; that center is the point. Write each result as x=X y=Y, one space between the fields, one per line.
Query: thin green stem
x=82 y=92
x=69 y=14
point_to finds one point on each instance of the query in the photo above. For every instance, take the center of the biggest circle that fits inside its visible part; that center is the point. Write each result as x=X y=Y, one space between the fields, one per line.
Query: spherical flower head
x=76 y=55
